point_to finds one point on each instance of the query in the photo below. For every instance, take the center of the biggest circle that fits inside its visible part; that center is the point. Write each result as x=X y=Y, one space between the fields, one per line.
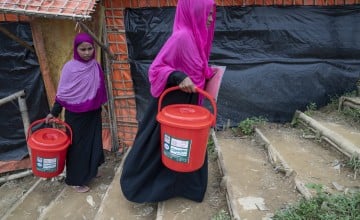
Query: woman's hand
x=48 y=118
x=187 y=85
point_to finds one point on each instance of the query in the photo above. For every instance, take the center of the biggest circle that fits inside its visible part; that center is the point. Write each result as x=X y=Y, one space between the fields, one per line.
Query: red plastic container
x=48 y=148
x=185 y=130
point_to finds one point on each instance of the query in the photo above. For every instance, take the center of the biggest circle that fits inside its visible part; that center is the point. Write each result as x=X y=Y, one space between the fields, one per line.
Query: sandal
x=81 y=189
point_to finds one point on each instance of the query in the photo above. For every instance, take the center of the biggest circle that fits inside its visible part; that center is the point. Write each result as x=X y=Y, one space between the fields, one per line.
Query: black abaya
x=85 y=154
x=144 y=177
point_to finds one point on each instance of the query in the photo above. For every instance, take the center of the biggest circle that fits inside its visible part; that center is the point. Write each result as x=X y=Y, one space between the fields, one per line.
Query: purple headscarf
x=81 y=86
x=188 y=48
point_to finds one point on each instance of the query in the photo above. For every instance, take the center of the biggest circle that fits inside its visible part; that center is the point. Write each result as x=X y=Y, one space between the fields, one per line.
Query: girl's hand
x=187 y=85
x=48 y=117
x=214 y=70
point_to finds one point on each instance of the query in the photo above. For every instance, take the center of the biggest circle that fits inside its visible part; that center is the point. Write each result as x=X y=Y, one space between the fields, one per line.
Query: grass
x=221 y=215
x=323 y=207
x=354 y=163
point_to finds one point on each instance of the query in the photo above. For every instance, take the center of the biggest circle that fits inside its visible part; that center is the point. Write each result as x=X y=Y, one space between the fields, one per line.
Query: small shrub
x=248 y=125
x=310 y=108
x=352 y=113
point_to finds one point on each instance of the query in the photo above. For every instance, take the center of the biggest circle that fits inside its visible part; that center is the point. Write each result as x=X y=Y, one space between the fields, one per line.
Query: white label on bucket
x=46 y=164
x=177 y=149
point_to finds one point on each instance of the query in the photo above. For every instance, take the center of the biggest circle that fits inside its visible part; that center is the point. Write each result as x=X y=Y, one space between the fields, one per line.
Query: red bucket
x=185 y=130
x=48 y=148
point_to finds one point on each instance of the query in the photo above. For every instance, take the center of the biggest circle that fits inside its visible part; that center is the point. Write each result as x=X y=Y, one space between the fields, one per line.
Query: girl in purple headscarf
x=81 y=91
x=183 y=61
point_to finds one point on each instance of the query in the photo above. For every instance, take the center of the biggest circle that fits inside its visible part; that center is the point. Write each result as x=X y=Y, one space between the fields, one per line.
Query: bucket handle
x=202 y=92
x=56 y=120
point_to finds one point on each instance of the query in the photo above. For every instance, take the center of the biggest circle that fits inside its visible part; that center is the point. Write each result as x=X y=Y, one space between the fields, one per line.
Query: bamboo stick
x=349 y=101
x=231 y=201
x=348 y=148
x=275 y=156
x=352 y=102
x=25 y=118
x=302 y=189
x=111 y=105
x=12 y=97
x=15 y=38
x=15 y=176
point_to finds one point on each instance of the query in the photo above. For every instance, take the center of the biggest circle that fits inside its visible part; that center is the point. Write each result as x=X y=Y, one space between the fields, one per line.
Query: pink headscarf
x=81 y=87
x=188 y=48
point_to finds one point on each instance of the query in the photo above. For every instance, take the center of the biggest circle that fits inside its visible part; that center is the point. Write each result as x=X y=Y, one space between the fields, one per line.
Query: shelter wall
x=58 y=37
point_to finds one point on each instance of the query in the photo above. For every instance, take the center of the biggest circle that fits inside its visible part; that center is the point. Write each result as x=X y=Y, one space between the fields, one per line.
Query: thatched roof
x=66 y=9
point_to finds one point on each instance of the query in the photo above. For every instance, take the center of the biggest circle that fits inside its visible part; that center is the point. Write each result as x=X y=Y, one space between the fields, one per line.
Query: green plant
x=317 y=187
x=334 y=102
x=353 y=113
x=354 y=163
x=323 y=207
x=248 y=125
x=211 y=148
x=310 y=108
x=221 y=215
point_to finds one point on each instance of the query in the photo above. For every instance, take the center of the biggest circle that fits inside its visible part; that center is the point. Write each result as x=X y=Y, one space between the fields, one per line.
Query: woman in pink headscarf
x=183 y=61
x=81 y=91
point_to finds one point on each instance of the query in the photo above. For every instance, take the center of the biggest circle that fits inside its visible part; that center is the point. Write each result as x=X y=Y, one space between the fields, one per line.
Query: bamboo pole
x=111 y=105
x=302 y=189
x=275 y=156
x=24 y=116
x=350 y=102
x=231 y=201
x=20 y=96
x=15 y=176
x=41 y=54
x=345 y=146
x=15 y=38
x=96 y=39
x=12 y=97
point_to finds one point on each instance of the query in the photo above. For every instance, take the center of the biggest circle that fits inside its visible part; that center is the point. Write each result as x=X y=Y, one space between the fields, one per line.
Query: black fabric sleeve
x=175 y=78
x=56 y=109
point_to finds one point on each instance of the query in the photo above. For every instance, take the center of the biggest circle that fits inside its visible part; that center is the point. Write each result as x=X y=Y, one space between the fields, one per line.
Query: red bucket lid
x=49 y=137
x=185 y=116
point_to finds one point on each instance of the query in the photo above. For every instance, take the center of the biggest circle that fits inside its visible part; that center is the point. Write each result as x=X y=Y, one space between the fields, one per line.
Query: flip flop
x=81 y=189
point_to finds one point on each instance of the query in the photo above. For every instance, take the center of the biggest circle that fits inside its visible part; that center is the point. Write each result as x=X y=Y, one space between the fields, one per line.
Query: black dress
x=144 y=177
x=85 y=154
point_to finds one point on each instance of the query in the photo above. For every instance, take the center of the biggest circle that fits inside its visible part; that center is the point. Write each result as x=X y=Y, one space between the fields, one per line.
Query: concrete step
x=13 y=192
x=116 y=206
x=32 y=197
x=313 y=163
x=255 y=189
x=35 y=201
x=333 y=129
x=214 y=201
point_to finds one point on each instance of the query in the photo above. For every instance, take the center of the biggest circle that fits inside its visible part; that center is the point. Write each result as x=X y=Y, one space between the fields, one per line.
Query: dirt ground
x=273 y=186
x=49 y=194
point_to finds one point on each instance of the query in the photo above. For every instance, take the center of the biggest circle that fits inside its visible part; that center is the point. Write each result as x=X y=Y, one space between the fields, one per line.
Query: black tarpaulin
x=278 y=59
x=19 y=70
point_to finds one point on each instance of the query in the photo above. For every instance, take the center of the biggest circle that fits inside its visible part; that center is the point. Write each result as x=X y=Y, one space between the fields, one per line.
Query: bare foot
x=81 y=189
